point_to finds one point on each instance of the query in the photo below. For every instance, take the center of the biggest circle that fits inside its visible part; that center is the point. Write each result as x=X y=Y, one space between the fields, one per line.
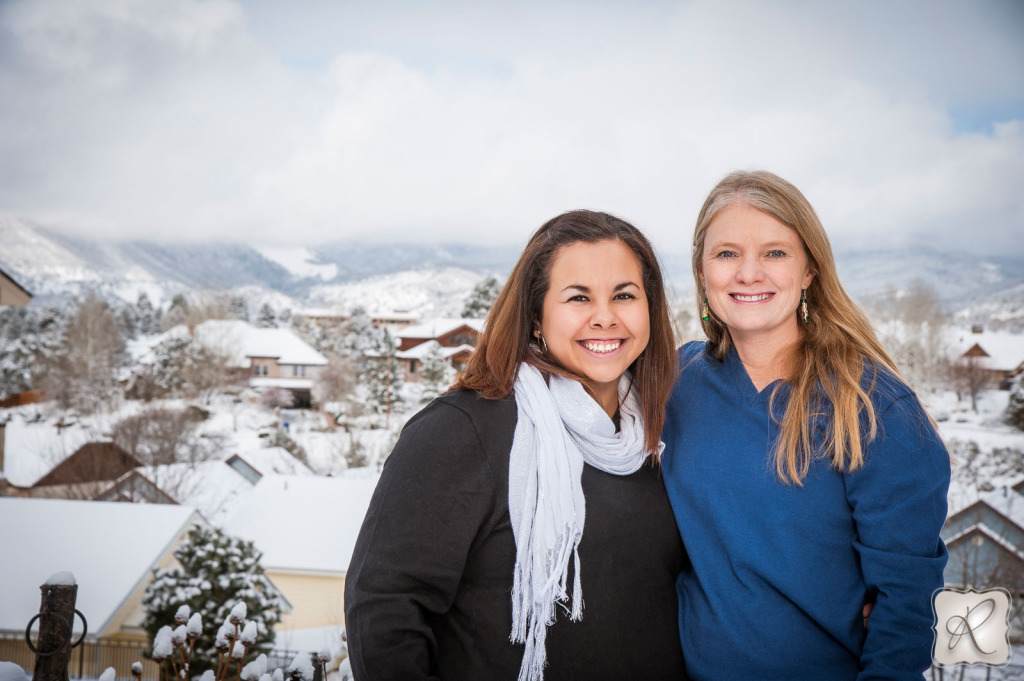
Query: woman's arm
x=899 y=506
x=434 y=494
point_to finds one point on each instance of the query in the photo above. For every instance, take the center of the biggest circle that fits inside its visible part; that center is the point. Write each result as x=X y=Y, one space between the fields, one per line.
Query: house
x=457 y=338
x=997 y=353
x=111 y=549
x=82 y=475
x=306 y=528
x=273 y=358
x=393 y=321
x=11 y=292
x=985 y=540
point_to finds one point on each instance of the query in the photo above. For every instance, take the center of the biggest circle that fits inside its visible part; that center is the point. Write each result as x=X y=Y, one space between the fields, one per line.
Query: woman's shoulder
x=692 y=350
x=883 y=385
x=474 y=405
x=468 y=415
x=693 y=355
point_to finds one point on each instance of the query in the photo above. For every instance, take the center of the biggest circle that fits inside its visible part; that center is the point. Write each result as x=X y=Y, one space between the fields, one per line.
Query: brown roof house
x=84 y=474
x=457 y=338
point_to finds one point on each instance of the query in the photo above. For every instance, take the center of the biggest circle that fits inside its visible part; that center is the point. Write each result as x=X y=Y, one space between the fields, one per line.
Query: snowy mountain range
x=430 y=279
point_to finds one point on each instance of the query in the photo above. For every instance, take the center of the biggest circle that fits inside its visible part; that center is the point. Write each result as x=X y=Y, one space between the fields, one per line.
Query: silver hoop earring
x=543 y=344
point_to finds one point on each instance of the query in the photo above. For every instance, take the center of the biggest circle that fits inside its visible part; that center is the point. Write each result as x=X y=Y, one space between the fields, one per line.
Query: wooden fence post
x=56 y=619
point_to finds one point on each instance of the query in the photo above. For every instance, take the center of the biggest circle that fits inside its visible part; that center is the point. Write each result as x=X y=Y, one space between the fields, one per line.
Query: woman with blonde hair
x=806 y=478
x=532 y=483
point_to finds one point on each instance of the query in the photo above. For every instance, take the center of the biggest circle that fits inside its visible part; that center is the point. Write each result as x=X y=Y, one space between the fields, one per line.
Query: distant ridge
x=54 y=266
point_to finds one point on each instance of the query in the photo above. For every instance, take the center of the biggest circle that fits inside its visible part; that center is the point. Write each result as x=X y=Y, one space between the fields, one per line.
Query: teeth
x=751 y=299
x=608 y=346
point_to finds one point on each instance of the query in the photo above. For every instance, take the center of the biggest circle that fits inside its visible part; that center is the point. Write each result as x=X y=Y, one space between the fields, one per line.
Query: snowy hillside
x=431 y=278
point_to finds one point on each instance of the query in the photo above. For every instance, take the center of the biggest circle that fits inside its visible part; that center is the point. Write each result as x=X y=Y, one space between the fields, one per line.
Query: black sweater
x=428 y=593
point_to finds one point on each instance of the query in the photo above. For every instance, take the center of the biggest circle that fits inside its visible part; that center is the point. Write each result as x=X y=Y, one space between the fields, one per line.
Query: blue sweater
x=780 y=572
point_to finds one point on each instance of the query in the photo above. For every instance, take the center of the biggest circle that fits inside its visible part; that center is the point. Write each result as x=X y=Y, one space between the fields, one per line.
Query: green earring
x=803 y=306
x=705 y=311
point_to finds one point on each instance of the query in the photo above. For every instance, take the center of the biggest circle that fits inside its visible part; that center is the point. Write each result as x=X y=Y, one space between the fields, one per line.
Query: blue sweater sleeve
x=898 y=501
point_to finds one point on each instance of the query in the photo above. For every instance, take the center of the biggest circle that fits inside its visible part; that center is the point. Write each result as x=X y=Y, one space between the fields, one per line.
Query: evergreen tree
x=177 y=313
x=28 y=336
x=361 y=337
x=1015 y=408
x=266 y=318
x=217 y=572
x=127 y=318
x=238 y=308
x=436 y=375
x=170 y=358
x=481 y=298
x=149 y=320
x=383 y=375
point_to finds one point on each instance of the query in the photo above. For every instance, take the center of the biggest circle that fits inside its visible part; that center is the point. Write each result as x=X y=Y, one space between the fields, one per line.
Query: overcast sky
x=316 y=120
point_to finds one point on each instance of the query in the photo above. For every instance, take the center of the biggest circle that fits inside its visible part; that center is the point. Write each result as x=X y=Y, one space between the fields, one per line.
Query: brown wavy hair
x=506 y=339
x=835 y=341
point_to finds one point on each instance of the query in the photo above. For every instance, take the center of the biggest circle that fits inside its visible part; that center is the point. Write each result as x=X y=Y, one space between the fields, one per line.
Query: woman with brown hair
x=805 y=477
x=533 y=483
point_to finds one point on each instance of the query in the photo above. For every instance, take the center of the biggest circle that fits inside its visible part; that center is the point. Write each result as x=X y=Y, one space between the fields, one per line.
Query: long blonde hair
x=835 y=341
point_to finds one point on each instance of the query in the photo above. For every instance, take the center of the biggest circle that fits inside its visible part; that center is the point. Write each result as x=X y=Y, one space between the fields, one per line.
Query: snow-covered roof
x=213 y=487
x=438 y=327
x=1005 y=350
x=1007 y=502
x=243 y=341
x=423 y=349
x=304 y=524
x=32 y=448
x=109 y=547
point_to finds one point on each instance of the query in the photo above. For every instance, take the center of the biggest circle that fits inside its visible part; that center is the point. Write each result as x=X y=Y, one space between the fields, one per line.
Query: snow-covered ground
x=38 y=437
x=999 y=462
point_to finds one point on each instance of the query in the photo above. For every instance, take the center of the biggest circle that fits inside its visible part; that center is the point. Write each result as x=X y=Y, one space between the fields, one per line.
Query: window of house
x=412 y=366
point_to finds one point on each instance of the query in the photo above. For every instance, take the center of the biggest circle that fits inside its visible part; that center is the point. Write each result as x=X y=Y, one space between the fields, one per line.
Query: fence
x=91 y=658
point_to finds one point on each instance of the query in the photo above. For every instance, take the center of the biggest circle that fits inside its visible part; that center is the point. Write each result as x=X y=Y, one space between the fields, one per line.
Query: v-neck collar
x=741 y=379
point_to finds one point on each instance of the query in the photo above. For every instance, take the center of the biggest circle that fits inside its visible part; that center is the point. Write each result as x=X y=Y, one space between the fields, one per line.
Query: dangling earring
x=803 y=306
x=705 y=312
x=543 y=344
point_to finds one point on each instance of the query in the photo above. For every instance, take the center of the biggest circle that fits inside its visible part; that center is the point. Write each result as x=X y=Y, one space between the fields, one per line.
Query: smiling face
x=594 y=319
x=753 y=269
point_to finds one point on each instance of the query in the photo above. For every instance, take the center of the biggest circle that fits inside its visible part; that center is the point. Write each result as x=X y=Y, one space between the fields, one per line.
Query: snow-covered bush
x=218 y=573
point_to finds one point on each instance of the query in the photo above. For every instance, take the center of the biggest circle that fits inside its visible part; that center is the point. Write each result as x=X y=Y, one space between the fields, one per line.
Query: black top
x=428 y=593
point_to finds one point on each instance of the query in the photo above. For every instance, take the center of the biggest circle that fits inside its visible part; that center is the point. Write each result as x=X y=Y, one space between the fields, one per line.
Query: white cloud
x=191 y=119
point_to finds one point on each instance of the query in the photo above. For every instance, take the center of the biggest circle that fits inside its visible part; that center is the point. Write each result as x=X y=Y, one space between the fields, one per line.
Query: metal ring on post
x=85 y=629
x=28 y=634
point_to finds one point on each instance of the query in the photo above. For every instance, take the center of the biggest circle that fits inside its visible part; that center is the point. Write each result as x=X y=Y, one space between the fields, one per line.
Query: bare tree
x=81 y=374
x=336 y=382
x=913 y=324
x=971 y=377
x=168 y=445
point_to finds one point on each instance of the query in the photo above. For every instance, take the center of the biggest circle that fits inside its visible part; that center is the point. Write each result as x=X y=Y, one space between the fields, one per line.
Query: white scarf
x=560 y=426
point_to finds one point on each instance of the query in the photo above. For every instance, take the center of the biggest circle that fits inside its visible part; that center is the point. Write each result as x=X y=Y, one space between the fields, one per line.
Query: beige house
x=11 y=292
x=274 y=358
x=306 y=528
x=110 y=548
